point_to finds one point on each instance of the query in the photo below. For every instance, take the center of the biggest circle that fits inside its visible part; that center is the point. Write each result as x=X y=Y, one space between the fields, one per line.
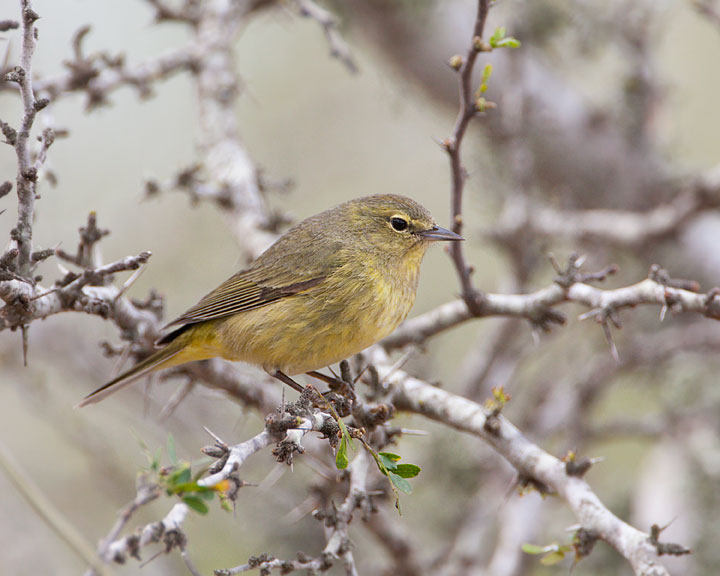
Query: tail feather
x=161 y=359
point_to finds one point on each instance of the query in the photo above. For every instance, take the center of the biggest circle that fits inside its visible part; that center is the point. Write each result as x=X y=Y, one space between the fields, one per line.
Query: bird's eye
x=398 y=224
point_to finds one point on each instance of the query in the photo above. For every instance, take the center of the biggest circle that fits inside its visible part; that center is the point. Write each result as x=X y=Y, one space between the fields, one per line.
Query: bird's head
x=393 y=224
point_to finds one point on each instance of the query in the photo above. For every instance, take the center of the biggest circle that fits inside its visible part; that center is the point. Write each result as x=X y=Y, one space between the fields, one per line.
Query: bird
x=328 y=288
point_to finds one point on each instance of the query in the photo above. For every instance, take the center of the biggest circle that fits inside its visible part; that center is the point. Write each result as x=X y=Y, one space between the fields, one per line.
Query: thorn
x=130 y=281
x=535 y=335
x=611 y=342
x=24 y=330
x=590 y=314
x=214 y=436
x=413 y=432
x=554 y=261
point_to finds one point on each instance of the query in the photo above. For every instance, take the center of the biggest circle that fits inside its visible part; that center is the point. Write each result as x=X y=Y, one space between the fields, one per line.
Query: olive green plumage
x=331 y=286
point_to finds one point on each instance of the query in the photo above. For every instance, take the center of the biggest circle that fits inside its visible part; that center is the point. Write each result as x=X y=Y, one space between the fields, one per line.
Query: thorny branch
x=167 y=531
x=538 y=307
x=535 y=467
x=337 y=523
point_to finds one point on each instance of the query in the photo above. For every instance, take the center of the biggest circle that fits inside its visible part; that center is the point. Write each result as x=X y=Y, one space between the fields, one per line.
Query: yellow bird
x=331 y=286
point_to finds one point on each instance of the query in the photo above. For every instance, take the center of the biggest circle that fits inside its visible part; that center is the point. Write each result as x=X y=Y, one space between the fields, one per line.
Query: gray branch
x=546 y=472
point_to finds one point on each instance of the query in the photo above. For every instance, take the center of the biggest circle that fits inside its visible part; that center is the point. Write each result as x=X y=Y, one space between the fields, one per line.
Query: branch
x=535 y=466
x=236 y=456
x=451 y=145
x=338 y=47
x=615 y=227
x=146 y=493
x=338 y=544
x=27 y=173
x=99 y=75
x=166 y=531
x=82 y=293
x=538 y=307
x=224 y=157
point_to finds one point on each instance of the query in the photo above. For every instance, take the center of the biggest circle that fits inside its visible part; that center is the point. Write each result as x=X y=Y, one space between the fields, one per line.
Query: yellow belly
x=318 y=328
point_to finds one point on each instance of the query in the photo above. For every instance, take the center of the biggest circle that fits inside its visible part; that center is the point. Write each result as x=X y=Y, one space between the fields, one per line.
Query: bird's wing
x=299 y=261
x=239 y=293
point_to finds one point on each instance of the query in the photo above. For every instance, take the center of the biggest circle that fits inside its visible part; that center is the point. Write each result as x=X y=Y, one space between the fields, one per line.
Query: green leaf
x=400 y=483
x=499 y=33
x=407 y=470
x=178 y=476
x=341 y=458
x=389 y=460
x=552 y=558
x=191 y=487
x=196 y=504
x=508 y=43
x=533 y=549
x=172 y=454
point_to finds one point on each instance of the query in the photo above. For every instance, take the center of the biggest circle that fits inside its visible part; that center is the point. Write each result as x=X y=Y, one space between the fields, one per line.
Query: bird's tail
x=171 y=355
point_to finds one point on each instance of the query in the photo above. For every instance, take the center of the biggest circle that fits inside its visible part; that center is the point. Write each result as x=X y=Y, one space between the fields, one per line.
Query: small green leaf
x=389 y=460
x=552 y=558
x=179 y=476
x=400 y=483
x=191 y=487
x=172 y=454
x=508 y=43
x=407 y=470
x=196 y=504
x=533 y=549
x=345 y=433
x=341 y=458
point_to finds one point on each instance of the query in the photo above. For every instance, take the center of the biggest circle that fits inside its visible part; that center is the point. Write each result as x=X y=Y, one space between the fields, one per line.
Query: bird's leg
x=329 y=380
x=285 y=379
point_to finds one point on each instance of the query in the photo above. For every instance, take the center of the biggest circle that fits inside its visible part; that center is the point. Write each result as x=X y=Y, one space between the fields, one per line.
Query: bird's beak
x=437 y=233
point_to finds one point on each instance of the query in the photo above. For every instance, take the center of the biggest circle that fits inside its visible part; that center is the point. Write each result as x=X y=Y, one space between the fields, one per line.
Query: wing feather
x=238 y=294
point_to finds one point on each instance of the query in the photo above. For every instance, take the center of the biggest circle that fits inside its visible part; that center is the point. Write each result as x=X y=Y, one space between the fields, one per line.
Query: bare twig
x=99 y=76
x=467 y=112
x=166 y=530
x=614 y=227
x=27 y=172
x=146 y=493
x=338 y=47
x=237 y=455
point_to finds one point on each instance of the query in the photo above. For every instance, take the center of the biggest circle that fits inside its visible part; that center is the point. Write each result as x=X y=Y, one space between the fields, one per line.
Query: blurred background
x=606 y=105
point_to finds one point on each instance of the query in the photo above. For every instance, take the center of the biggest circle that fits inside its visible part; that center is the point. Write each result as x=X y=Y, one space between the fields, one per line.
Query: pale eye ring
x=399 y=224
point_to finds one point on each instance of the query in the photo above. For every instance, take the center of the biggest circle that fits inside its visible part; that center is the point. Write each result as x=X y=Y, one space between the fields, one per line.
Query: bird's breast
x=358 y=305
